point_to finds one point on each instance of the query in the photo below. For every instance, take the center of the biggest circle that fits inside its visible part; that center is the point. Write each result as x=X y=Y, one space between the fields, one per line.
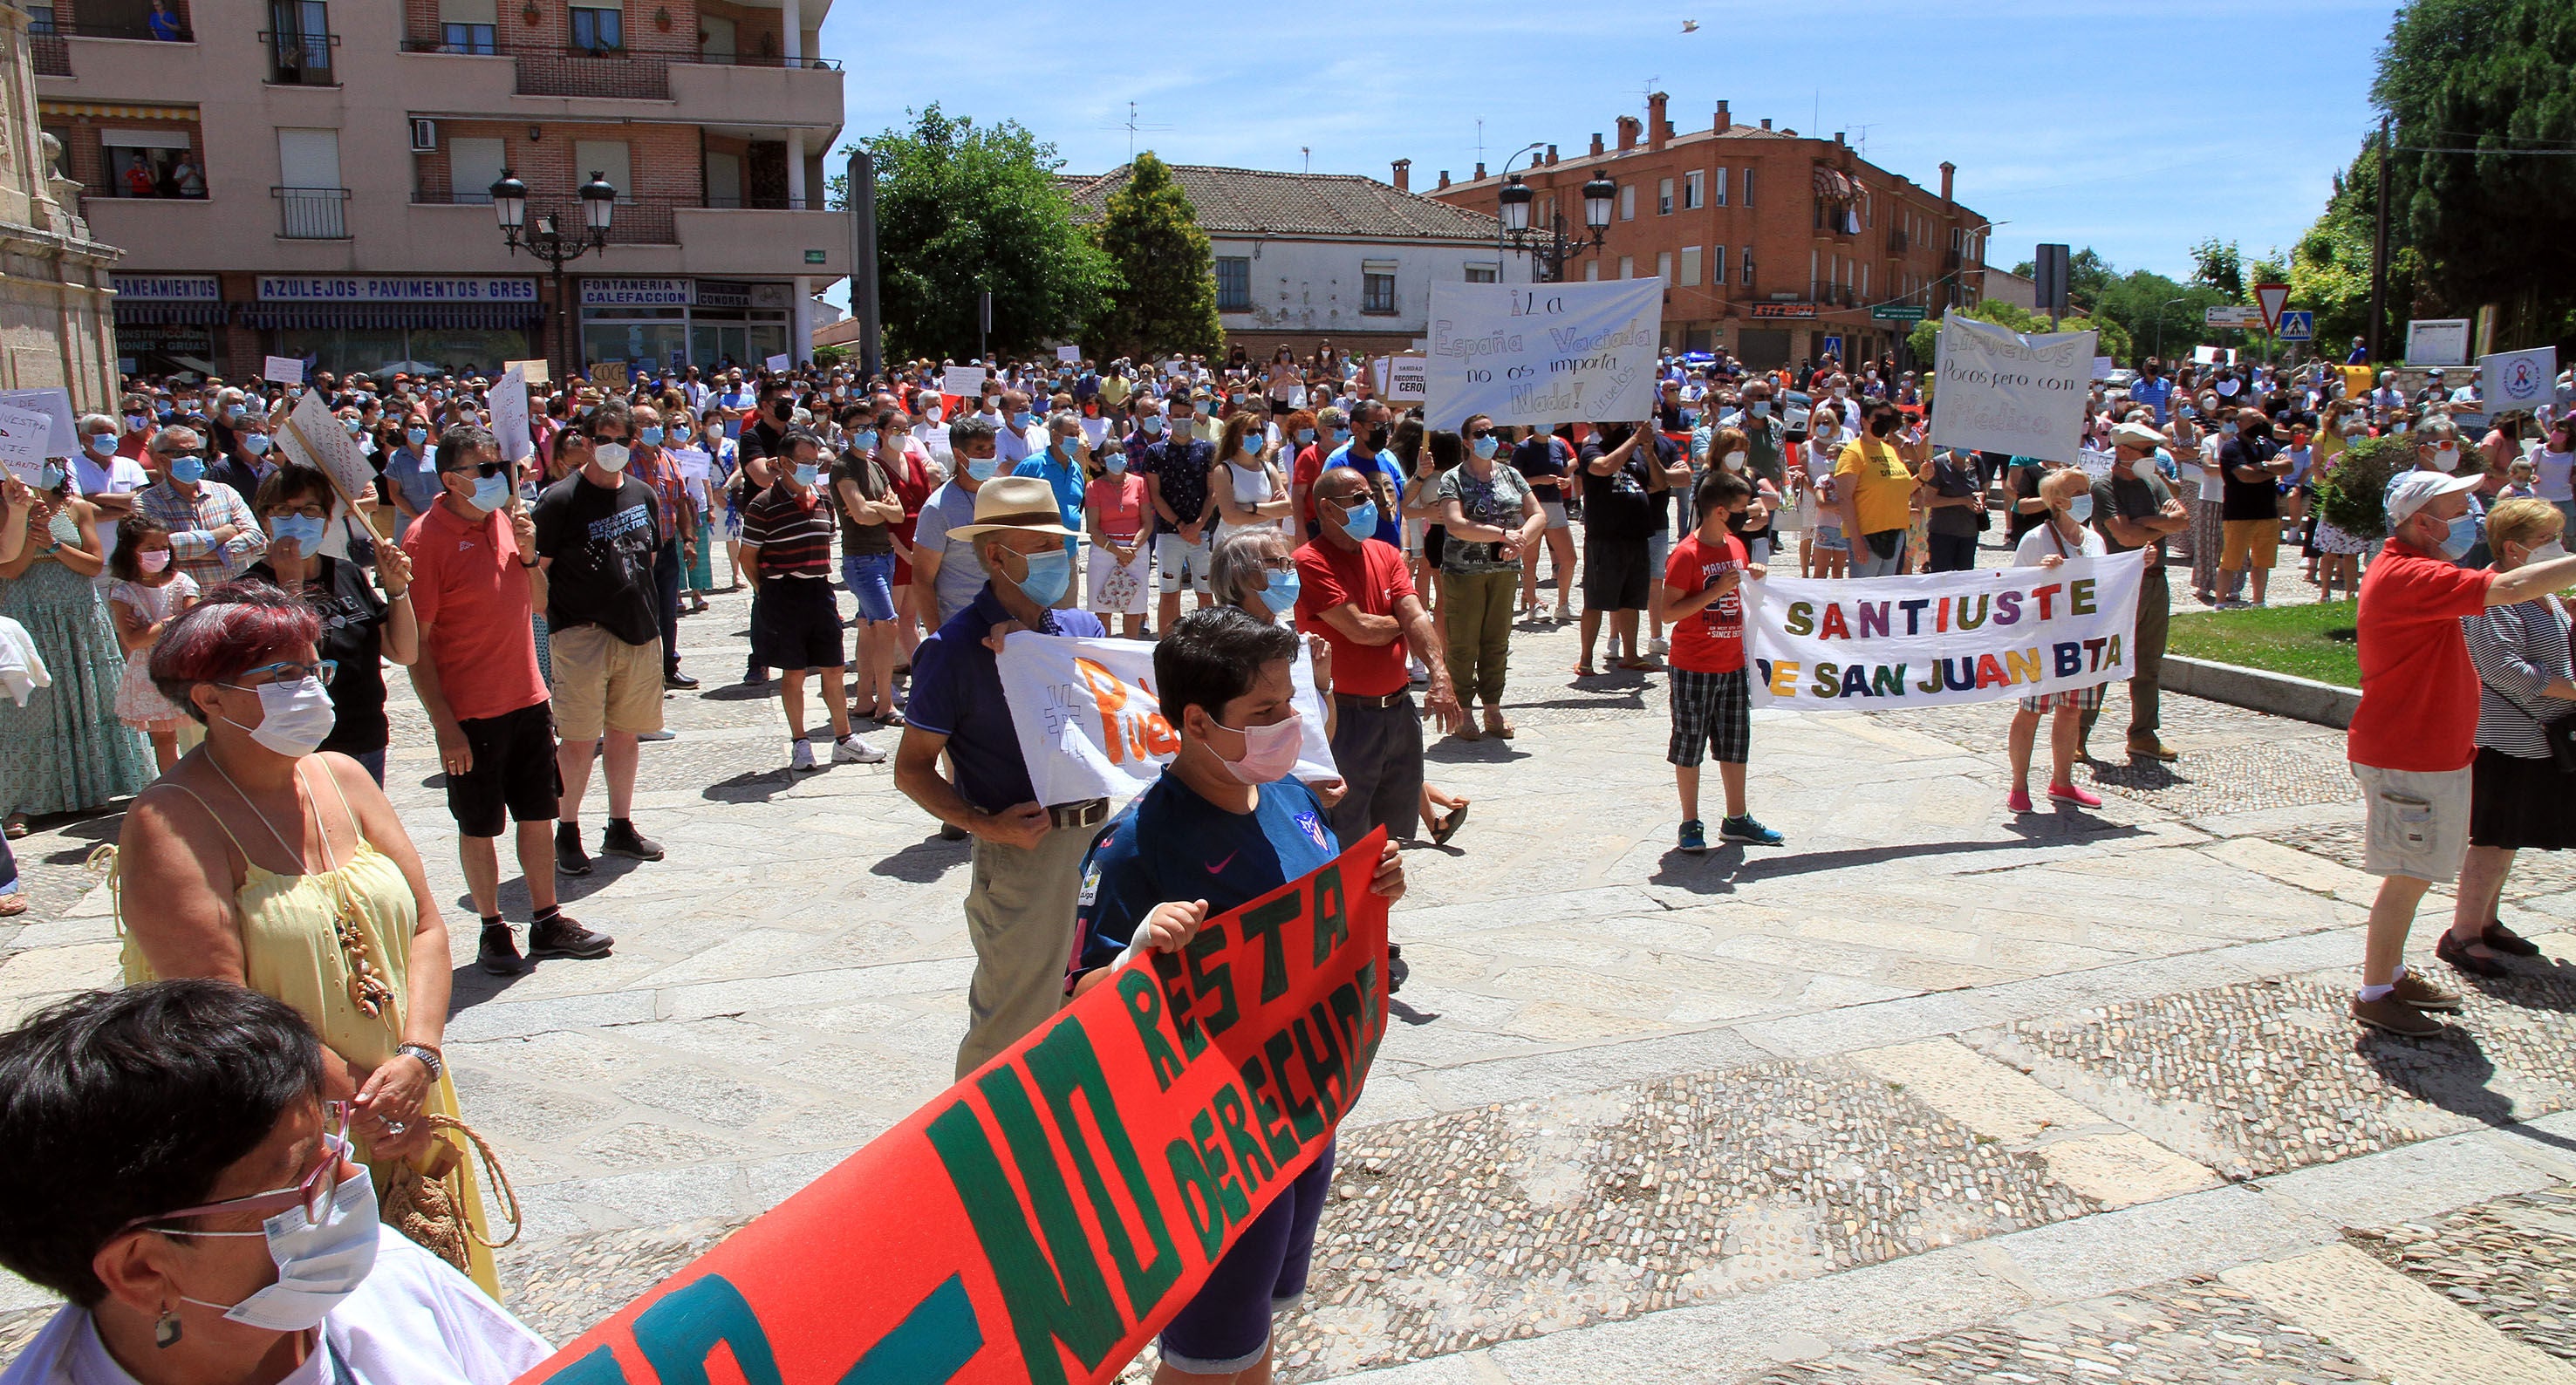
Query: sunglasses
x=312 y=1192
x=1480 y=433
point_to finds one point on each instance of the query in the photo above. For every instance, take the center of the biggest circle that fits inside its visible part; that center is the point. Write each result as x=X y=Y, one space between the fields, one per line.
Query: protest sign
x=778 y=364
x=2096 y=461
x=2103 y=366
x=2002 y=391
x=608 y=374
x=314 y=436
x=282 y=370
x=2524 y=380
x=54 y=403
x=534 y=372
x=1041 y=1220
x=2434 y=341
x=24 y=434
x=1068 y=354
x=967 y=380
x=1090 y=725
x=509 y=400
x=1546 y=353
x=1403 y=378
x=692 y=462
x=1884 y=643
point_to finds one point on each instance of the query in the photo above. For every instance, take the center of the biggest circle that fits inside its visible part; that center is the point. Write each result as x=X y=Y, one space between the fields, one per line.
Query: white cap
x=2416 y=489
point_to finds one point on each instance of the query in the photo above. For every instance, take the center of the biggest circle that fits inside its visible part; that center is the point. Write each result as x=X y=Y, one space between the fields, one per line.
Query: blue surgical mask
x=1340 y=436
x=1115 y=461
x=1485 y=447
x=256 y=444
x=1761 y=408
x=1281 y=597
x=188 y=470
x=650 y=435
x=102 y=444
x=491 y=492
x=982 y=468
x=1049 y=573
x=304 y=530
x=1150 y=424
x=2463 y=537
x=1360 y=521
x=805 y=473
x=2081 y=509
x=864 y=440
x=1305 y=435
x=50 y=477
x=416 y=436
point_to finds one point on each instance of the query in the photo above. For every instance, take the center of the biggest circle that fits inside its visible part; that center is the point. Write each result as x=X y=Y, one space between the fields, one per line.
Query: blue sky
x=2136 y=129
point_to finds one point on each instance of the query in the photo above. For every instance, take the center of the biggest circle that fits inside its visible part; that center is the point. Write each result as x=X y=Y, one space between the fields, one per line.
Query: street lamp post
x=1551 y=250
x=2160 y=325
x=556 y=245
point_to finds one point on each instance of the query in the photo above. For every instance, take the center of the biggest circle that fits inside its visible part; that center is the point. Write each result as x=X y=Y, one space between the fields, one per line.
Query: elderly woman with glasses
x=179 y=1173
x=269 y=865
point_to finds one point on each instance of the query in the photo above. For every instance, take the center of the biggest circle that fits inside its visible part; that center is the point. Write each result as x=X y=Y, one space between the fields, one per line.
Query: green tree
x=2497 y=77
x=1166 y=300
x=2330 y=265
x=963 y=209
x=2217 y=265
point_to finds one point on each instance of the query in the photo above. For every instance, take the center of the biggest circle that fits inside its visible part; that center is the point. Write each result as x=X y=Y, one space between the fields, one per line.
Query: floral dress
x=66 y=750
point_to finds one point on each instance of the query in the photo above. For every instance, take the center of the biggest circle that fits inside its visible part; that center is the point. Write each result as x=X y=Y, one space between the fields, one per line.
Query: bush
x=2352 y=495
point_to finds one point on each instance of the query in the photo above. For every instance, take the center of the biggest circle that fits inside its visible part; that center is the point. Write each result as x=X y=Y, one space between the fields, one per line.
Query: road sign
x=1833 y=347
x=2271 y=298
x=2230 y=315
x=2298 y=324
x=1896 y=312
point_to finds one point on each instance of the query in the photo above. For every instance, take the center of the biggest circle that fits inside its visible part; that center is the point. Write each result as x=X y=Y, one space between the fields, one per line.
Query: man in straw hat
x=1028 y=855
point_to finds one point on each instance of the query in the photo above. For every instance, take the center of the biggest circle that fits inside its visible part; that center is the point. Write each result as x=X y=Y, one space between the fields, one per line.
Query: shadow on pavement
x=1725 y=866
x=922 y=862
x=2450 y=1071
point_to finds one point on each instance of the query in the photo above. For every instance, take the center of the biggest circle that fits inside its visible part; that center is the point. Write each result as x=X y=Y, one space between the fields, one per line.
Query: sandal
x=1467 y=730
x=14 y=826
x=1585 y=671
x=12 y=905
x=1498 y=728
x=1447 y=827
x=1641 y=665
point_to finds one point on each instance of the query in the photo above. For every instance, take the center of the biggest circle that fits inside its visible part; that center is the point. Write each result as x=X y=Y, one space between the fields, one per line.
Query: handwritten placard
x=282 y=370
x=509 y=401
x=1553 y=353
x=23 y=437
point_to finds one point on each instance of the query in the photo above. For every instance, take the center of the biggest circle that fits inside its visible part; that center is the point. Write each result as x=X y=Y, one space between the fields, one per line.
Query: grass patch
x=2311 y=641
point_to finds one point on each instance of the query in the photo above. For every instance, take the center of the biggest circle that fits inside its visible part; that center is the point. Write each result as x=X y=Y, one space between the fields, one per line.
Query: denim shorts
x=870 y=578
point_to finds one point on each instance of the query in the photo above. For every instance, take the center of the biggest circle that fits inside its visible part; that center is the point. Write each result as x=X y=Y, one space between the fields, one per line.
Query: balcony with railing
x=635 y=72
x=312 y=213
x=1896 y=241
x=300 y=59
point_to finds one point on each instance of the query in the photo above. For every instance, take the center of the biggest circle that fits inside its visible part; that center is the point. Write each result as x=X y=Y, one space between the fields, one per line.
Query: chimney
x=1596 y=144
x=1947 y=168
x=1658 y=129
x=1766 y=122
x=1627 y=133
x=1838 y=137
x=1480 y=170
x=1551 y=154
x=1725 y=122
x=1404 y=175
x=1444 y=179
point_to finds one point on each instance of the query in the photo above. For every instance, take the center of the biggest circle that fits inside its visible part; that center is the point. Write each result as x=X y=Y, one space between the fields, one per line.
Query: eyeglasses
x=312 y=1192
x=286 y=673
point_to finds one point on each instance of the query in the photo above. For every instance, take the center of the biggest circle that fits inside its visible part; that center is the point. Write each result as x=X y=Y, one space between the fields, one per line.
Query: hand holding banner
x=509 y=400
x=1185 y=1095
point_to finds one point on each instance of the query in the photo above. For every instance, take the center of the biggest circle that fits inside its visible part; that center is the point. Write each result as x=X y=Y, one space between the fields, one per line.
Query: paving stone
x=2511 y=1261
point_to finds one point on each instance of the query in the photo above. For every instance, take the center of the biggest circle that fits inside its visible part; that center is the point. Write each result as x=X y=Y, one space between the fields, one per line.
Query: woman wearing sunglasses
x=271 y=866
x=177 y=1174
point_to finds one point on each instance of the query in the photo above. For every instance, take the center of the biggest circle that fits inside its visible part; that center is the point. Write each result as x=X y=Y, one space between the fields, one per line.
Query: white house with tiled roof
x=1302 y=257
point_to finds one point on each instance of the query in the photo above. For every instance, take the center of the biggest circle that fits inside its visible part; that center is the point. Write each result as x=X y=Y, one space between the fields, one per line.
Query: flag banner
x=1953 y=637
x=2002 y=391
x=55 y=403
x=1043 y=1218
x=1544 y=353
x=1091 y=726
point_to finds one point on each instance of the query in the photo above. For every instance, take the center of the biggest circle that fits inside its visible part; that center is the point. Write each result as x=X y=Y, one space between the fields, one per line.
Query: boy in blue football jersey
x=1223 y=826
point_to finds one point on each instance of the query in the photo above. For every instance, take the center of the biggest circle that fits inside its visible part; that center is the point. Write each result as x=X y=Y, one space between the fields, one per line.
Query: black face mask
x=781 y=410
x=1377 y=437
x=1881 y=427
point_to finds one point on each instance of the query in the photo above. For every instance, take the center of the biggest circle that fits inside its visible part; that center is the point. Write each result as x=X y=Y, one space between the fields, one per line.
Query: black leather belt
x=1089 y=814
x=1393 y=699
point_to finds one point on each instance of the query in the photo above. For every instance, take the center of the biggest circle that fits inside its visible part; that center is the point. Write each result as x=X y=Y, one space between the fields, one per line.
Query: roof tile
x=1252 y=201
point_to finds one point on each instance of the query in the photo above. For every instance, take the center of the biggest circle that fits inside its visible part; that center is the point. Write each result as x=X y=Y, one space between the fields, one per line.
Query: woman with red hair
x=271 y=866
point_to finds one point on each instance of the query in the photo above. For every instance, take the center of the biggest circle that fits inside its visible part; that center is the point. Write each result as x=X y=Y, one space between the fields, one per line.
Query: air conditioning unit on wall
x=424 y=136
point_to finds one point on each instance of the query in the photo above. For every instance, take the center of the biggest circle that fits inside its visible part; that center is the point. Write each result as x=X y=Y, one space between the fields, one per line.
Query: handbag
x=425 y=1198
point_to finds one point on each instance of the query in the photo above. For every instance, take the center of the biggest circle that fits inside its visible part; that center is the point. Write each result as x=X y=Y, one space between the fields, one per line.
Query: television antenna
x=1131 y=126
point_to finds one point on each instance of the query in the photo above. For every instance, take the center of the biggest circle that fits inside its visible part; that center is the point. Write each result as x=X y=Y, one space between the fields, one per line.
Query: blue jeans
x=374 y=760
x=870 y=578
x=1865 y=561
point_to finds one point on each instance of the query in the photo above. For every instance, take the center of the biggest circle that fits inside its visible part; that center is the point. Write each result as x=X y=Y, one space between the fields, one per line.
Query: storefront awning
x=432 y=315
x=168 y=314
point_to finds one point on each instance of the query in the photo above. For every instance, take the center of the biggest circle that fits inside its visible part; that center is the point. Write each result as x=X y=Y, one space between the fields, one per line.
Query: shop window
x=1233 y=284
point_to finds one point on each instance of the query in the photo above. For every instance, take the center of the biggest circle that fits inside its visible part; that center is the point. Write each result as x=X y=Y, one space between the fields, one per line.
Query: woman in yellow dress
x=259 y=862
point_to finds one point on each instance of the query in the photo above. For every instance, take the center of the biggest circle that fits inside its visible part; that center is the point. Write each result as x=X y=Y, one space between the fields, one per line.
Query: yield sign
x=2271 y=298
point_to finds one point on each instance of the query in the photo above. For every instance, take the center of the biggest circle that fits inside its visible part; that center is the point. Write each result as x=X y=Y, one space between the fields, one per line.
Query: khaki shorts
x=2251 y=543
x=2419 y=822
x=602 y=681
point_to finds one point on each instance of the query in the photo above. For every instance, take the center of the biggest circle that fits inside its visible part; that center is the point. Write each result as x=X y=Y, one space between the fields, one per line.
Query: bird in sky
x=1690 y=26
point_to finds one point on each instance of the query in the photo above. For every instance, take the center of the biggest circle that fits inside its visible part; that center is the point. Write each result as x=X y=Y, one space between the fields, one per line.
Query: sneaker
x=497 y=953
x=1658 y=647
x=2394 y=1016
x=1564 y=613
x=2069 y=793
x=800 y=756
x=755 y=677
x=1396 y=970
x=850 y=750
x=570 y=859
x=1694 y=836
x=561 y=937
x=2018 y=801
x=1745 y=829
x=621 y=839
x=675 y=679
x=647 y=737
x=2425 y=993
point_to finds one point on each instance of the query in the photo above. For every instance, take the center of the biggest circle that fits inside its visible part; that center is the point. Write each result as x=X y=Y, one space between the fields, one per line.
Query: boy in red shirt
x=1703 y=605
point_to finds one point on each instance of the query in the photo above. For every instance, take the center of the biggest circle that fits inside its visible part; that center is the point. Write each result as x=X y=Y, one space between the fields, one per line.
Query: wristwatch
x=428 y=1057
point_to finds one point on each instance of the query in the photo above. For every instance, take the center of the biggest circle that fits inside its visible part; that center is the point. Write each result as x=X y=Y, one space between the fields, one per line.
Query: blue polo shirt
x=1170 y=844
x=1355 y=455
x=957 y=693
x=1067 y=479
x=2155 y=392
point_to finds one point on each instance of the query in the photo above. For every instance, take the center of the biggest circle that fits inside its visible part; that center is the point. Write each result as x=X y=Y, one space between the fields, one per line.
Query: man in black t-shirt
x=1623 y=486
x=598 y=530
x=2253 y=465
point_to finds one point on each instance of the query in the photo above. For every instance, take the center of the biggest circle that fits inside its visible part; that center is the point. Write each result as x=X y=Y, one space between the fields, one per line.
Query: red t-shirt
x=2419 y=692
x=1711 y=639
x=1372 y=579
x=1310 y=465
x=466 y=583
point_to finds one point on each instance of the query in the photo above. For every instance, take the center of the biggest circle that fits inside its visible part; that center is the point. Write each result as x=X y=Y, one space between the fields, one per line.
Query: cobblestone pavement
x=1634 y=1097
x=2511 y=1261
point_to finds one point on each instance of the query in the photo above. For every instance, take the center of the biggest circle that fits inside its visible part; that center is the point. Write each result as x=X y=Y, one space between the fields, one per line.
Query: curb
x=2281 y=694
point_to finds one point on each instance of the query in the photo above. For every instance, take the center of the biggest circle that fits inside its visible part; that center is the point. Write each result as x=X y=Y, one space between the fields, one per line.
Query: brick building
x=309 y=177
x=1774 y=246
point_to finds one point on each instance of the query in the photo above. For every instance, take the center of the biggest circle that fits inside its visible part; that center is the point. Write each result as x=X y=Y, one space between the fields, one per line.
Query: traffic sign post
x=2297 y=324
x=2271 y=298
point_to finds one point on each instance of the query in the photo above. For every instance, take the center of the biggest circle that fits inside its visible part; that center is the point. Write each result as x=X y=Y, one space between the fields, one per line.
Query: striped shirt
x=792 y=533
x=2518 y=650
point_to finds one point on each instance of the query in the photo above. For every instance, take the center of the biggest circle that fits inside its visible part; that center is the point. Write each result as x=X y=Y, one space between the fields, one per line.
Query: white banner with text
x=1090 y=725
x=1545 y=353
x=2003 y=391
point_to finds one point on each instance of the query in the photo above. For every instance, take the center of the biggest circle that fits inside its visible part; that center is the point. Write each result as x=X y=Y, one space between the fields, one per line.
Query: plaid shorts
x=2081 y=699
x=1712 y=716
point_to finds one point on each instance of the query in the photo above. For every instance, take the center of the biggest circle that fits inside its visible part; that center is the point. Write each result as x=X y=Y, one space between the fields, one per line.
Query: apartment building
x=1774 y=246
x=311 y=177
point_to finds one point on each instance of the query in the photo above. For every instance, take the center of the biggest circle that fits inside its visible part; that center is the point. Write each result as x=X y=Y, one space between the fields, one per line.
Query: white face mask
x=2549 y=552
x=294 y=718
x=2446 y=459
x=611 y=456
x=318 y=1264
x=1735 y=461
x=1269 y=752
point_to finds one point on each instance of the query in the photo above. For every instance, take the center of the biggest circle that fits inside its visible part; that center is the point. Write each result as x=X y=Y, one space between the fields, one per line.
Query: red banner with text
x=1042 y=1219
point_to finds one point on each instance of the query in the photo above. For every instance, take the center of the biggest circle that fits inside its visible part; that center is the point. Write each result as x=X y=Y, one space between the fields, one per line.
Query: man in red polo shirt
x=2415 y=732
x=1352 y=590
